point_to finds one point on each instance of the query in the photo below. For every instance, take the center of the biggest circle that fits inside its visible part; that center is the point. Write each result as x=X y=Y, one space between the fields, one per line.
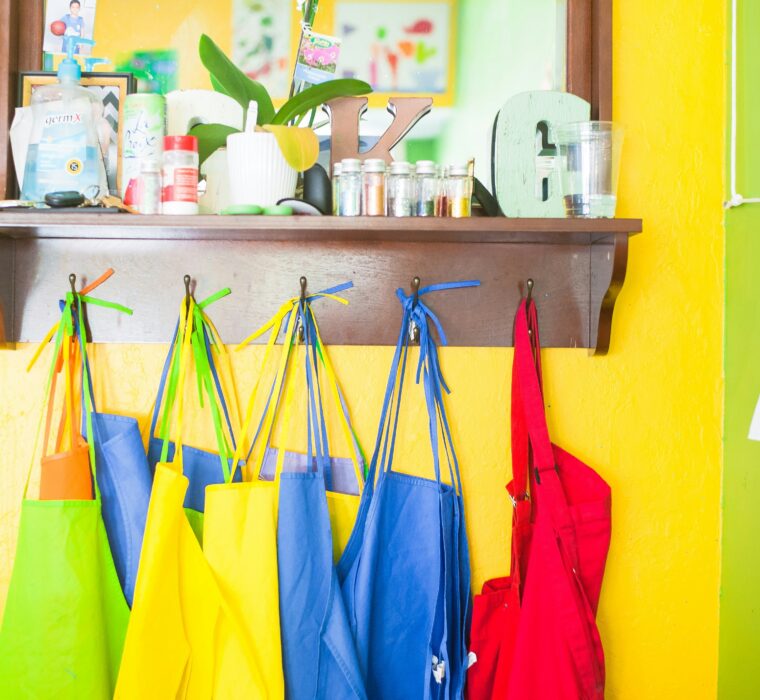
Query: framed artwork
x=111 y=89
x=399 y=46
x=262 y=42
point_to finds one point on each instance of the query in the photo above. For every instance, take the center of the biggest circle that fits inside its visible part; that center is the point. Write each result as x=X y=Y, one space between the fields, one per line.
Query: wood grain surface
x=50 y=224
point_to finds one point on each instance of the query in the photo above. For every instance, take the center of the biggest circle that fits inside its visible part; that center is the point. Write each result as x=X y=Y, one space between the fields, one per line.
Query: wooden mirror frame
x=588 y=63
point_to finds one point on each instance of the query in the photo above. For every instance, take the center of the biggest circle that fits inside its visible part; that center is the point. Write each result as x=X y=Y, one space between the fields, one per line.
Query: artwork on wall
x=156 y=70
x=398 y=47
x=111 y=89
x=261 y=42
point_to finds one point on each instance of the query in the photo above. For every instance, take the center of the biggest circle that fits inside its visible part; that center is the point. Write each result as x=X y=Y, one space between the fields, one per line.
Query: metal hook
x=85 y=322
x=529 y=284
x=299 y=329
x=416 y=289
x=414 y=329
x=187 y=279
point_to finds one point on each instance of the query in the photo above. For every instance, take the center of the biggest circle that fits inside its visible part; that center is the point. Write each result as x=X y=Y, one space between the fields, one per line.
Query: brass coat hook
x=302 y=282
x=416 y=290
x=300 y=331
x=529 y=284
x=414 y=329
x=188 y=294
x=85 y=321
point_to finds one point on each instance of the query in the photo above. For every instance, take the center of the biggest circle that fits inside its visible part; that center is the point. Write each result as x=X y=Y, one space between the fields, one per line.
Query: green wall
x=739 y=664
x=503 y=47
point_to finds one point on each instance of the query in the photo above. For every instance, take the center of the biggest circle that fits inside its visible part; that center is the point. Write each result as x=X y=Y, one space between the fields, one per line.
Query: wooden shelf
x=578 y=266
x=49 y=224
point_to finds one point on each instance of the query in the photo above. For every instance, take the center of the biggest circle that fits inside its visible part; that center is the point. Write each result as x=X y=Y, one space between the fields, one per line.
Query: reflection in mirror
x=469 y=55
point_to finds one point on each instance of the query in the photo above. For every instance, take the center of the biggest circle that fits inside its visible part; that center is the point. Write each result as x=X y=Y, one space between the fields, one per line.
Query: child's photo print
x=65 y=22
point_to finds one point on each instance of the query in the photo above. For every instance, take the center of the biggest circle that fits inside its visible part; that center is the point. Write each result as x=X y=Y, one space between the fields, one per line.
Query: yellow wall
x=647 y=417
x=150 y=25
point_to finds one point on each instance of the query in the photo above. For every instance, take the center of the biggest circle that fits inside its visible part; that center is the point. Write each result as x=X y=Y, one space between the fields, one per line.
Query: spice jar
x=336 y=188
x=350 y=201
x=459 y=191
x=428 y=187
x=442 y=200
x=150 y=186
x=374 y=187
x=179 y=175
x=401 y=200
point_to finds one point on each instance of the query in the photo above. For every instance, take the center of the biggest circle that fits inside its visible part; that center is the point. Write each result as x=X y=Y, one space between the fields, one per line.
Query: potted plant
x=265 y=157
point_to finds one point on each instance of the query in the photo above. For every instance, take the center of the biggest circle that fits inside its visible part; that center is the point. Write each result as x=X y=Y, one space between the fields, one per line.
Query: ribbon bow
x=417 y=312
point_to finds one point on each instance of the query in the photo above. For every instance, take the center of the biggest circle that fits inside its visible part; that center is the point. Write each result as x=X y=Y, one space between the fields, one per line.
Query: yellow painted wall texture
x=648 y=416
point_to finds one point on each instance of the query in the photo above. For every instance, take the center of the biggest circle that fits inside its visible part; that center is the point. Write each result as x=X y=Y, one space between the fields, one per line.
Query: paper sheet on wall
x=754 y=428
x=261 y=42
x=399 y=47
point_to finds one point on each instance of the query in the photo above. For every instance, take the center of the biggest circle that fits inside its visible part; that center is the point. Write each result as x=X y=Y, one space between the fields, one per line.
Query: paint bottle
x=401 y=199
x=142 y=137
x=428 y=186
x=374 y=203
x=150 y=186
x=350 y=187
x=459 y=192
x=179 y=175
x=442 y=202
x=337 y=167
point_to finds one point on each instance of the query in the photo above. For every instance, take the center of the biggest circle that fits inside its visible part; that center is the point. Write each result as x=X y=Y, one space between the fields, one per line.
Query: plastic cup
x=589 y=165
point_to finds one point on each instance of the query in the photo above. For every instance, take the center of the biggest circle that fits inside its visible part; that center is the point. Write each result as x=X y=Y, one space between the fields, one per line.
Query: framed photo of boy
x=111 y=89
x=64 y=21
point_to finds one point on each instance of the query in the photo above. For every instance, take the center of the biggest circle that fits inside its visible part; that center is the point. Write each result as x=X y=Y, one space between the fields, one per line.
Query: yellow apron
x=341 y=506
x=240 y=527
x=183 y=639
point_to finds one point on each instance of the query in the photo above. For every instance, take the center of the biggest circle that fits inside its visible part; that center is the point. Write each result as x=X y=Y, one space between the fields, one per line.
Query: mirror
x=469 y=55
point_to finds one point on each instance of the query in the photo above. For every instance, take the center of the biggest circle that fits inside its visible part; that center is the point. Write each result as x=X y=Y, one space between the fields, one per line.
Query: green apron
x=65 y=617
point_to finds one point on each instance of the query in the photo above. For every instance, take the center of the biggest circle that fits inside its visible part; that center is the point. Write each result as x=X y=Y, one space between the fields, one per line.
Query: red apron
x=534 y=633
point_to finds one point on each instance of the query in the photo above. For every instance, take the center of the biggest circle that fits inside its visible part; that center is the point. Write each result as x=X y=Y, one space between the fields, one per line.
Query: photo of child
x=67 y=20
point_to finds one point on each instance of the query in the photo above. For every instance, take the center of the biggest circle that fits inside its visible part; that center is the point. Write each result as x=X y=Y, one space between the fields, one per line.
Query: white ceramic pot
x=217 y=196
x=258 y=172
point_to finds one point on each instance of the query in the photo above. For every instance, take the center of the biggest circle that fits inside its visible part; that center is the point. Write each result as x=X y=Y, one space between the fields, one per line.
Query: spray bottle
x=64 y=152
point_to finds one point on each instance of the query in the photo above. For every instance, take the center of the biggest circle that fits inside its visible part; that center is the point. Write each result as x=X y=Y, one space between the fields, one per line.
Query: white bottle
x=64 y=151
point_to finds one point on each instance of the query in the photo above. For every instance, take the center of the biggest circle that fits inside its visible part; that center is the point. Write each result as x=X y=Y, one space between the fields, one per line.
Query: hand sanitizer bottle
x=64 y=152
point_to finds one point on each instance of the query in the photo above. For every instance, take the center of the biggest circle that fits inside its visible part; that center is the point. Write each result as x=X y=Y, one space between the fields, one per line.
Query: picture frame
x=111 y=89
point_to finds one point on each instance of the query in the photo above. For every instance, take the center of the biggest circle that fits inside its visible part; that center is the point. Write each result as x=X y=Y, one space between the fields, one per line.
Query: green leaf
x=217 y=85
x=228 y=78
x=300 y=147
x=211 y=137
x=317 y=95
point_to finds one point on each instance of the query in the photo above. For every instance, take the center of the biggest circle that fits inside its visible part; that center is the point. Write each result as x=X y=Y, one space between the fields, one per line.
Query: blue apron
x=318 y=654
x=405 y=573
x=124 y=479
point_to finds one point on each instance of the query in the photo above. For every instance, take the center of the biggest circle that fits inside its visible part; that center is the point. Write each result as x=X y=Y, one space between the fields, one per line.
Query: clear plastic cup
x=589 y=165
